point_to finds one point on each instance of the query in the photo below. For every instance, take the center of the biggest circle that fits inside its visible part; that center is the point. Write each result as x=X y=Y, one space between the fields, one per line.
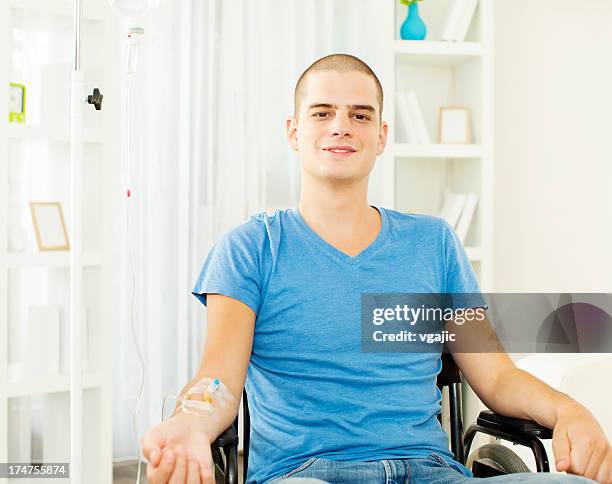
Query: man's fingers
x=160 y=474
x=193 y=472
x=580 y=455
x=203 y=461
x=150 y=449
x=604 y=474
x=207 y=474
x=180 y=470
x=153 y=456
x=561 y=449
x=594 y=463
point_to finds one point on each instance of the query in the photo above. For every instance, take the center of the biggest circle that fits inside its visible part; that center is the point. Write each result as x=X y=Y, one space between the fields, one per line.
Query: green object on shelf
x=409 y=2
x=17 y=102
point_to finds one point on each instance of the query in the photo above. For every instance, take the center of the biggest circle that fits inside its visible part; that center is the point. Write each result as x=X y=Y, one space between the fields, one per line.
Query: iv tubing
x=132 y=56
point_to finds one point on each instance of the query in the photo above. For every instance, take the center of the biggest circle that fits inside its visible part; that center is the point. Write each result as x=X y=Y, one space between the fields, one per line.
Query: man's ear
x=382 y=137
x=291 y=127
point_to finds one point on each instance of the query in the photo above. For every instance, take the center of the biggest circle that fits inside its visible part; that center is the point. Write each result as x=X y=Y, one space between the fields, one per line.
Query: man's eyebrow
x=365 y=107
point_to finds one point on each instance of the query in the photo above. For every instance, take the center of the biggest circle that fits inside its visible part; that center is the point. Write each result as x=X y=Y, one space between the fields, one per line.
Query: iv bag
x=132 y=11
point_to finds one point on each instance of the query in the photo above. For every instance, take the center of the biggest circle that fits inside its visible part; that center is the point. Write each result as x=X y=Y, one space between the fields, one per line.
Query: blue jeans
x=432 y=469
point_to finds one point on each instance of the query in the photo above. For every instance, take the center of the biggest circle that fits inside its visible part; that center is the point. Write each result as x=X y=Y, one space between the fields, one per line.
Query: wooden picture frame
x=454 y=125
x=49 y=226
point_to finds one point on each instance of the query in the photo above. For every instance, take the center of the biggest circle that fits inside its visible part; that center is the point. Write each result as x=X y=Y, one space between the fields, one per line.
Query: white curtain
x=213 y=88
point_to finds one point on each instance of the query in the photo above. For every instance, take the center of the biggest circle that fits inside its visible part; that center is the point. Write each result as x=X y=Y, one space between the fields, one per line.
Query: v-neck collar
x=330 y=249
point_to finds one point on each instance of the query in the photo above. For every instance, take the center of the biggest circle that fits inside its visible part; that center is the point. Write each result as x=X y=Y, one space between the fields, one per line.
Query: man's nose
x=341 y=125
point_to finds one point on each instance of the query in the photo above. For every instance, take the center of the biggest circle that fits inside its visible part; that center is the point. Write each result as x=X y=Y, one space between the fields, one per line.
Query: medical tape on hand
x=200 y=398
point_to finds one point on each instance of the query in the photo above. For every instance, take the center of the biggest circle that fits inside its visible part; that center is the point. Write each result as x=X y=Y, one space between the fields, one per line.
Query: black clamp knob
x=95 y=99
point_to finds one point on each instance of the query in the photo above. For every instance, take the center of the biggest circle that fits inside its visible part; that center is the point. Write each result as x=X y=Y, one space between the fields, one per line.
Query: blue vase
x=413 y=27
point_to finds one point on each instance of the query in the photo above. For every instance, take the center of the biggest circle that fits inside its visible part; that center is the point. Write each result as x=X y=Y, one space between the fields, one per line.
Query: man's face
x=338 y=134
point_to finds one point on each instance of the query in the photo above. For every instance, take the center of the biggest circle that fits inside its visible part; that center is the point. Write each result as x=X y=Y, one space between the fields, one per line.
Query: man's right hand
x=178 y=453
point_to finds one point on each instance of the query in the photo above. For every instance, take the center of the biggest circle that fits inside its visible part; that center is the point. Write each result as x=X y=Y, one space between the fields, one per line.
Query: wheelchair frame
x=519 y=431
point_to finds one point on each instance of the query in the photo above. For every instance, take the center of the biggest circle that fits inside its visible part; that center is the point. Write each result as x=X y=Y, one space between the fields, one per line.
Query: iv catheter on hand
x=201 y=397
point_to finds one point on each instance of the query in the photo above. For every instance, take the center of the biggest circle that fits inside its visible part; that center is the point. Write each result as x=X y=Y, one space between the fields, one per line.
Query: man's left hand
x=580 y=444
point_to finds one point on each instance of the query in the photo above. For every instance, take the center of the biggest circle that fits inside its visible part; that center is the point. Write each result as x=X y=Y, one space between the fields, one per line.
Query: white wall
x=553 y=146
x=553 y=199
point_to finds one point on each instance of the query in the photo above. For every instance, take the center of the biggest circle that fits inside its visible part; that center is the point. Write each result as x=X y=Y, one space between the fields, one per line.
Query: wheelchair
x=487 y=461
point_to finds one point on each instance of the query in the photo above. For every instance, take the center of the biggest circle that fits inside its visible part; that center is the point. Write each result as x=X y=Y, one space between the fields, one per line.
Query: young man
x=284 y=297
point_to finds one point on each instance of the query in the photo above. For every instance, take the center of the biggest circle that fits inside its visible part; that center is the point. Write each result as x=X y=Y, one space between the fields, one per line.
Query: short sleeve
x=233 y=266
x=460 y=277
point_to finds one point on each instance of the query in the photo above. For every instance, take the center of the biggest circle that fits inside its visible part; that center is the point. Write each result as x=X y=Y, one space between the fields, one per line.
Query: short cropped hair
x=339 y=63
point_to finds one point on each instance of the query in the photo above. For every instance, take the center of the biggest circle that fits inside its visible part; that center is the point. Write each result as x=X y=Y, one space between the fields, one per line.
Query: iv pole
x=76 y=189
x=76 y=247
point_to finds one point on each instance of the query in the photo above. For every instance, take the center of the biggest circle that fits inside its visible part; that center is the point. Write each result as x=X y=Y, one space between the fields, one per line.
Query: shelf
x=49 y=259
x=91 y=11
x=21 y=131
x=436 y=52
x=50 y=384
x=38 y=52
x=474 y=253
x=405 y=150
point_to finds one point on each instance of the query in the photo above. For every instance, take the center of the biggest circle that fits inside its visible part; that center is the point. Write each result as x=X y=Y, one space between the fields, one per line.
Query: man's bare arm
x=227 y=351
x=178 y=449
x=508 y=390
x=497 y=381
x=579 y=443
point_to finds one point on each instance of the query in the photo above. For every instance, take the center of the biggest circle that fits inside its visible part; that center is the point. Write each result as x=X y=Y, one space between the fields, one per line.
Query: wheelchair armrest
x=229 y=437
x=511 y=425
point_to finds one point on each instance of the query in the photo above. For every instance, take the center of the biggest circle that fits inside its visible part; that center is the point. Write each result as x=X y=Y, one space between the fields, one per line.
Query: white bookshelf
x=437 y=52
x=96 y=11
x=49 y=133
x=49 y=259
x=434 y=150
x=35 y=165
x=53 y=384
x=413 y=177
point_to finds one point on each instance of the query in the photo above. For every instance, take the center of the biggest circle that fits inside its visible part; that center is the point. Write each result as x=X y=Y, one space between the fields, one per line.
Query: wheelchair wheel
x=499 y=457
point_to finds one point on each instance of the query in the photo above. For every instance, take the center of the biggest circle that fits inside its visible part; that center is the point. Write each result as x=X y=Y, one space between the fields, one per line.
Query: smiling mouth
x=340 y=150
x=339 y=153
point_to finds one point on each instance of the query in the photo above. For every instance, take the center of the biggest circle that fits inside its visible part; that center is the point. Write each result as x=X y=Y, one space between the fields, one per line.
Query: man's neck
x=338 y=211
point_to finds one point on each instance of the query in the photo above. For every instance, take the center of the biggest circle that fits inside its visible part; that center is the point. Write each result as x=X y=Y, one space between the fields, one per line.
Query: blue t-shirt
x=312 y=391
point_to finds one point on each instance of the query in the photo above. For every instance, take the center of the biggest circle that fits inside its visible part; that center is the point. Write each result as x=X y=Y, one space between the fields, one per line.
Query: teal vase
x=413 y=27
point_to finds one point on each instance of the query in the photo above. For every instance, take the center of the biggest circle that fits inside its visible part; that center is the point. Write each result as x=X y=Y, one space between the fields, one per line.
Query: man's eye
x=316 y=115
x=362 y=117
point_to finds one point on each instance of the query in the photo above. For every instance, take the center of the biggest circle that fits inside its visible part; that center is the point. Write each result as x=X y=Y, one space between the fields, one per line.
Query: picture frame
x=49 y=226
x=17 y=102
x=454 y=125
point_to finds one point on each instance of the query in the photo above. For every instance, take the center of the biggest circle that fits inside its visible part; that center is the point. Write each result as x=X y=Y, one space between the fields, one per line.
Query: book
x=452 y=21
x=403 y=110
x=417 y=116
x=467 y=214
x=459 y=20
x=452 y=208
x=465 y=20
